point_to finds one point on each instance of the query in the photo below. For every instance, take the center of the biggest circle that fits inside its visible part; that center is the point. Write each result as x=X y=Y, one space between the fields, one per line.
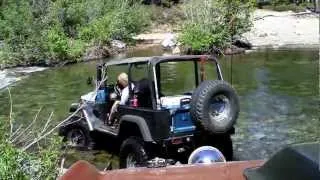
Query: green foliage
x=288 y=5
x=35 y=32
x=41 y=163
x=118 y=24
x=279 y=2
x=201 y=40
x=212 y=23
x=57 y=43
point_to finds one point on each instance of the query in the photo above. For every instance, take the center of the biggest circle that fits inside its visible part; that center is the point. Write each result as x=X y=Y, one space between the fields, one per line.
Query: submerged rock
x=234 y=50
x=259 y=135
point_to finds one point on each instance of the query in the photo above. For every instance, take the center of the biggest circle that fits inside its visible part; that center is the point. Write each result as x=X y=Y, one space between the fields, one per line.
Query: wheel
x=215 y=106
x=132 y=153
x=78 y=135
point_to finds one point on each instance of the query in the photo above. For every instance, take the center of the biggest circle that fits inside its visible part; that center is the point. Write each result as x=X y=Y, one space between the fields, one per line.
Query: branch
x=46 y=125
x=10 y=115
x=15 y=132
x=41 y=135
x=49 y=132
x=22 y=132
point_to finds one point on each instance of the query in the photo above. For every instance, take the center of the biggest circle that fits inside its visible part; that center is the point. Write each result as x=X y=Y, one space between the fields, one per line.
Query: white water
x=11 y=76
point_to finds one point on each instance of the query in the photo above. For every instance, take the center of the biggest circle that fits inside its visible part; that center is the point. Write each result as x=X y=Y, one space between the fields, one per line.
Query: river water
x=278 y=92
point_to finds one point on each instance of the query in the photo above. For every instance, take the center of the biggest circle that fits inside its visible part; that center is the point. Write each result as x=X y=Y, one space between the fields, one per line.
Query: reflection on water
x=277 y=88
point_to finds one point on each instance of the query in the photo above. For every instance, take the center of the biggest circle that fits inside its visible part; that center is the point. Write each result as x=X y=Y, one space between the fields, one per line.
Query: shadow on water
x=278 y=92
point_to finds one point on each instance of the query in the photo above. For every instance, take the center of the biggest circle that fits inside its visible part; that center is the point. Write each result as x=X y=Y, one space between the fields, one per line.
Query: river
x=278 y=92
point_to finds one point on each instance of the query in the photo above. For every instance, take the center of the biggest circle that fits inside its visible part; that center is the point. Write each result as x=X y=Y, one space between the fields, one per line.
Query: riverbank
x=271 y=29
x=276 y=29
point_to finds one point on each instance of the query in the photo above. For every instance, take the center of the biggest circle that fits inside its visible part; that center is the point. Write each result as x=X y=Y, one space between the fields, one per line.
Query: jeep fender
x=140 y=122
x=89 y=116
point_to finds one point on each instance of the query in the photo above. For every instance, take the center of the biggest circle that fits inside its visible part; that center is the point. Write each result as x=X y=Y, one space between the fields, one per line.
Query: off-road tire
x=134 y=146
x=80 y=126
x=201 y=101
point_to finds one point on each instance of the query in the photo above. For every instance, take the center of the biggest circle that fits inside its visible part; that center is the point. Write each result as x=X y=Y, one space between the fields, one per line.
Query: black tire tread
x=199 y=98
x=80 y=125
x=136 y=145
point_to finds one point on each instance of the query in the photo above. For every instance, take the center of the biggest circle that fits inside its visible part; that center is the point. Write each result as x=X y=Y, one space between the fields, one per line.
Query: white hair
x=123 y=78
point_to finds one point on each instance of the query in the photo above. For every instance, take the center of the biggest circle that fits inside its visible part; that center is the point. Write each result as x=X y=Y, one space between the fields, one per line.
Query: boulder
x=96 y=52
x=170 y=41
x=241 y=42
x=176 y=50
x=118 y=44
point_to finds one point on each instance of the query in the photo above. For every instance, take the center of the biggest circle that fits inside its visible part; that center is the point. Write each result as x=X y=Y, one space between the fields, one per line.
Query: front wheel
x=132 y=153
x=77 y=134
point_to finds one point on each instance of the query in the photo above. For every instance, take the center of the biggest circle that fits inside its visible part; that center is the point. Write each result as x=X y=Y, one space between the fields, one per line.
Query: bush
x=57 y=43
x=40 y=31
x=40 y=161
x=212 y=23
x=120 y=24
x=18 y=164
x=202 y=40
x=279 y=2
x=288 y=7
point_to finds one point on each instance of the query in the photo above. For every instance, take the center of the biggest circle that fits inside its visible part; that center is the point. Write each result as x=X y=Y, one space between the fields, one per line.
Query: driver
x=122 y=83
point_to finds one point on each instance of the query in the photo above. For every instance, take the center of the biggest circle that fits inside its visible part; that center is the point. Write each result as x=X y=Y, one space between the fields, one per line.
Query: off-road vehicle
x=164 y=117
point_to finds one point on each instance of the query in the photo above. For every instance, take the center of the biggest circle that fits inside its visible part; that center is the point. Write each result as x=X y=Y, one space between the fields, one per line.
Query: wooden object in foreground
x=82 y=170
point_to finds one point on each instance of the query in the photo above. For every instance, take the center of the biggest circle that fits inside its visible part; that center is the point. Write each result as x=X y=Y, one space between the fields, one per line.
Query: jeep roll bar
x=152 y=63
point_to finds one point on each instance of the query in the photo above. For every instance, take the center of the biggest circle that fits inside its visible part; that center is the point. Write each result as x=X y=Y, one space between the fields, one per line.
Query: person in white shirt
x=123 y=85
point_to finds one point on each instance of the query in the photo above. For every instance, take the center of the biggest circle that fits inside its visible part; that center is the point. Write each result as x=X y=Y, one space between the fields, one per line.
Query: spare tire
x=215 y=106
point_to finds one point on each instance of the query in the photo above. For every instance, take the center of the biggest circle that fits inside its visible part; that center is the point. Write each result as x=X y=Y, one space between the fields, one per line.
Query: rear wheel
x=133 y=153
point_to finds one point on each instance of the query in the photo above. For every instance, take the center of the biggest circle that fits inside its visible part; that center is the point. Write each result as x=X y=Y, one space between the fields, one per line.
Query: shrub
x=129 y=21
x=212 y=23
x=97 y=31
x=21 y=159
x=202 y=40
x=57 y=43
x=279 y=2
x=41 y=31
x=76 y=49
x=18 y=164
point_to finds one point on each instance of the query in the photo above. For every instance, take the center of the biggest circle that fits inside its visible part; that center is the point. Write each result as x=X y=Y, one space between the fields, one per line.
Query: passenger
x=122 y=83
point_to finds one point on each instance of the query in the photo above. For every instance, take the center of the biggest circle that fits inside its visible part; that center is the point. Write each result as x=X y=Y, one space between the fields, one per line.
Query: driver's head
x=123 y=80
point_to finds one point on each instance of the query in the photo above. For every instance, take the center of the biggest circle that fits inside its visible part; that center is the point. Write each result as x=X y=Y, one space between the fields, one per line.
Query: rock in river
x=118 y=44
x=170 y=41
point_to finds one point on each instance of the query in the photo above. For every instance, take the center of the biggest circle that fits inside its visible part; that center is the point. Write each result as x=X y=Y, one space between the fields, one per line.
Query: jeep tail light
x=177 y=141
